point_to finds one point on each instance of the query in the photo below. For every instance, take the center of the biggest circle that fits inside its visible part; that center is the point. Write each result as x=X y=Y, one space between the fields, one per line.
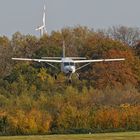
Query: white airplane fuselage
x=68 y=66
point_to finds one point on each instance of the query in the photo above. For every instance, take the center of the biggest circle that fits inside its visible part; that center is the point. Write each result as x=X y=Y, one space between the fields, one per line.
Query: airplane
x=68 y=64
x=42 y=28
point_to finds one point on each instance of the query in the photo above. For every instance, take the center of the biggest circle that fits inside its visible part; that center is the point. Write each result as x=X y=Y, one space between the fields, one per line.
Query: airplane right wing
x=98 y=60
x=88 y=62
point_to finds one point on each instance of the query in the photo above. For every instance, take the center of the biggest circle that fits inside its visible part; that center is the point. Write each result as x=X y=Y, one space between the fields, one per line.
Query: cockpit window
x=71 y=63
x=66 y=64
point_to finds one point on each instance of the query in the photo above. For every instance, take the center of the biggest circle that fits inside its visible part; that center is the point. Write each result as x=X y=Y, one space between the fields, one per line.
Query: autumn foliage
x=105 y=99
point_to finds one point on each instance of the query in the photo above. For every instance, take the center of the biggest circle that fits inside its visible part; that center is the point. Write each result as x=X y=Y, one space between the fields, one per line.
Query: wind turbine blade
x=44 y=7
x=44 y=24
x=40 y=28
x=36 y=29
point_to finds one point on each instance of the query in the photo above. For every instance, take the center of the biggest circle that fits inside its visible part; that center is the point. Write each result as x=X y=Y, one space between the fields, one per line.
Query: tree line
x=105 y=99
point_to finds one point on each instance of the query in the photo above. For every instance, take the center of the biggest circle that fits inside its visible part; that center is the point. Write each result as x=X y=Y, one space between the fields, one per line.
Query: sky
x=25 y=15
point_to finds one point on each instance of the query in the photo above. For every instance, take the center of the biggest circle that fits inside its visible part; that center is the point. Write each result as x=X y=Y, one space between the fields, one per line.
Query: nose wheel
x=70 y=78
x=70 y=81
x=55 y=76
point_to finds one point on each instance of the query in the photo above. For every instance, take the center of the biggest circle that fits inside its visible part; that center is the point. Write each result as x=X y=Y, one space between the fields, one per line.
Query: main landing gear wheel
x=55 y=76
x=70 y=78
x=70 y=81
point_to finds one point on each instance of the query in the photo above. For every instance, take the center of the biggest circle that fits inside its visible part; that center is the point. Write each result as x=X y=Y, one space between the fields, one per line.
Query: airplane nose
x=71 y=70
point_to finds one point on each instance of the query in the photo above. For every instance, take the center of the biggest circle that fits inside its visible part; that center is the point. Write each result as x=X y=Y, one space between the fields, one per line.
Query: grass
x=106 y=136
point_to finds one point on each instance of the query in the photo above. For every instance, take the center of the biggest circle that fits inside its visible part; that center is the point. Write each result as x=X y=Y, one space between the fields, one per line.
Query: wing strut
x=52 y=66
x=82 y=66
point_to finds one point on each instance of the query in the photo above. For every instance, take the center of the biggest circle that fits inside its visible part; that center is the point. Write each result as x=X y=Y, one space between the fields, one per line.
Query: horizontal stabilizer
x=77 y=58
x=73 y=58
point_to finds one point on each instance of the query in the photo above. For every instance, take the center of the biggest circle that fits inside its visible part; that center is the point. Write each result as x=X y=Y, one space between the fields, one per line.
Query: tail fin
x=64 y=49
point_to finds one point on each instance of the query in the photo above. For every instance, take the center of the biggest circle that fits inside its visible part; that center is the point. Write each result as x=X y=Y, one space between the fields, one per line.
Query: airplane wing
x=98 y=60
x=37 y=60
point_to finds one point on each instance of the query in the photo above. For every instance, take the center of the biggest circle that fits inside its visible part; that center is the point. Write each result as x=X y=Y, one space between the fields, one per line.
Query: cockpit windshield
x=68 y=64
x=71 y=64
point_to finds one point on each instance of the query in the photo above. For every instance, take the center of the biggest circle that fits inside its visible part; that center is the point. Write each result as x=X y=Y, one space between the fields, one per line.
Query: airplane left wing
x=37 y=60
x=98 y=60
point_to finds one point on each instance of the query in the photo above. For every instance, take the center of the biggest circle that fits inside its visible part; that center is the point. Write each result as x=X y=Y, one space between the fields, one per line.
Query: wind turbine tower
x=42 y=28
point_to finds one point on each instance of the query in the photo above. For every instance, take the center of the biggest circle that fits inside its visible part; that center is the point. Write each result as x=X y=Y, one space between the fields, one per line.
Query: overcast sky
x=26 y=15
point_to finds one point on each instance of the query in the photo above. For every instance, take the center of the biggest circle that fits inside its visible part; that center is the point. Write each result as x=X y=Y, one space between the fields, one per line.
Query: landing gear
x=70 y=78
x=70 y=81
x=55 y=76
x=78 y=76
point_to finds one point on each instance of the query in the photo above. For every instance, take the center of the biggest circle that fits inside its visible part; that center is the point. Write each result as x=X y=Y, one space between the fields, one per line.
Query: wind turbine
x=42 y=28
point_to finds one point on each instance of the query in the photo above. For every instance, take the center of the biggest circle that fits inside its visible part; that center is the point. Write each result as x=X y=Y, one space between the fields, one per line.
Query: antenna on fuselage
x=63 y=48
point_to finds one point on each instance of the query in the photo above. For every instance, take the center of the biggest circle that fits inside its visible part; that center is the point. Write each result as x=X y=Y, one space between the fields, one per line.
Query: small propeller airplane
x=68 y=64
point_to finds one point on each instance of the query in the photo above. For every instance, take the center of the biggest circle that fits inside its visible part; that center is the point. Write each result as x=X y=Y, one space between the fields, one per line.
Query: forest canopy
x=105 y=99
